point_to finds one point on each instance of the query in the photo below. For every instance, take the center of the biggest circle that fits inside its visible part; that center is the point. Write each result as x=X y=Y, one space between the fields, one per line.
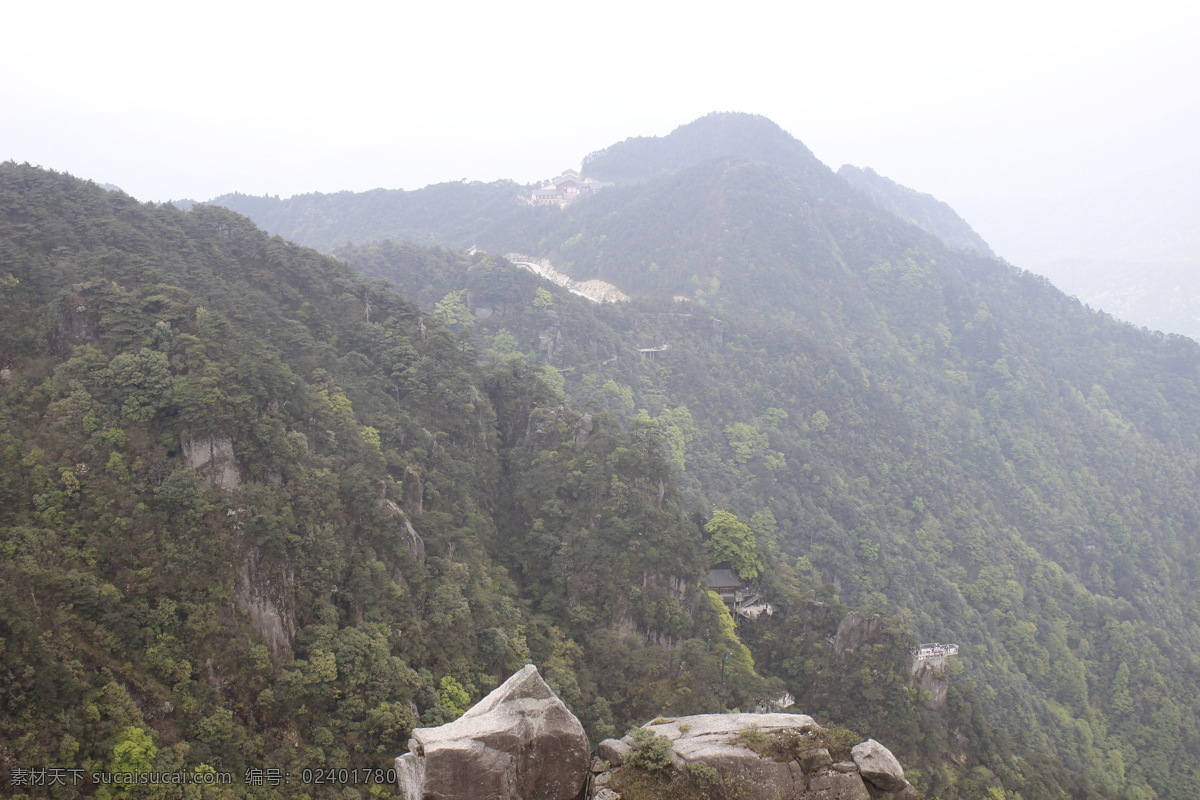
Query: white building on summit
x=565 y=188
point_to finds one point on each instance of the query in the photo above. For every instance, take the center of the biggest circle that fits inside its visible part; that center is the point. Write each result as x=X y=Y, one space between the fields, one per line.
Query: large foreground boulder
x=518 y=743
x=712 y=739
x=878 y=766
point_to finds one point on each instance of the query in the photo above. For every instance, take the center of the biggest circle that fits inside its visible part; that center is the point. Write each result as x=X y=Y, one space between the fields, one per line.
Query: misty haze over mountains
x=1129 y=246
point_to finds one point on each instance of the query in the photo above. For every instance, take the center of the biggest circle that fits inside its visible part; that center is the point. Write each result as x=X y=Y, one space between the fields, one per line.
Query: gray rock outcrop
x=212 y=456
x=518 y=743
x=413 y=542
x=613 y=751
x=830 y=784
x=787 y=761
x=932 y=676
x=855 y=630
x=266 y=592
x=712 y=739
x=878 y=766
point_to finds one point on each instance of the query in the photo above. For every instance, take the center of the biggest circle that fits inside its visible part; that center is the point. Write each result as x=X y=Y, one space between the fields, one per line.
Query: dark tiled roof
x=722 y=578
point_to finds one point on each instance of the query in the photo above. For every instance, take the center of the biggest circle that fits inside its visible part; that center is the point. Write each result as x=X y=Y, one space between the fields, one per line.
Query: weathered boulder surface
x=712 y=739
x=613 y=751
x=694 y=736
x=518 y=743
x=829 y=784
x=878 y=766
x=814 y=760
x=797 y=771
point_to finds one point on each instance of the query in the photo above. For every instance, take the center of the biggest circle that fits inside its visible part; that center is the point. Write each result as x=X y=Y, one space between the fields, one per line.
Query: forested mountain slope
x=448 y=214
x=918 y=429
x=922 y=210
x=259 y=513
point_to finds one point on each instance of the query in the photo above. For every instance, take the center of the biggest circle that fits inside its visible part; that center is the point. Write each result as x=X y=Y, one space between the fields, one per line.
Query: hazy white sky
x=954 y=98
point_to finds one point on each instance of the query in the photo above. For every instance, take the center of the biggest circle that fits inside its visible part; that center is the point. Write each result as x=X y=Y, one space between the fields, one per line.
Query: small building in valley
x=741 y=599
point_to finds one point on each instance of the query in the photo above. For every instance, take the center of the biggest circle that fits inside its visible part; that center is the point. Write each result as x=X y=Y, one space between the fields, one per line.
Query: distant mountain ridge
x=922 y=210
x=746 y=153
x=447 y=214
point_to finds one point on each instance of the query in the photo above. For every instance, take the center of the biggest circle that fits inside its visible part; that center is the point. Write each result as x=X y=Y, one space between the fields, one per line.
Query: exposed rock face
x=212 y=457
x=518 y=743
x=796 y=771
x=413 y=491
x=550 y=336
x=412 y=540
x=74 y=322
x=654 y=583
x=931 y=676
x=878 y=766
x=830 y=784
x=854 y=631
x=815 y=760
x=595 y=290
x=267 y=595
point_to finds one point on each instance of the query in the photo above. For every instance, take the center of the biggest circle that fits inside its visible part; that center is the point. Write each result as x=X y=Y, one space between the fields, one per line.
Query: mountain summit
x=746 y=137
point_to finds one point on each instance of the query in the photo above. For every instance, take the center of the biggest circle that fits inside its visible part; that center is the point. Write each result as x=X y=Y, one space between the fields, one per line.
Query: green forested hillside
x=259 y=513
x=943 y=444
x=917 y=430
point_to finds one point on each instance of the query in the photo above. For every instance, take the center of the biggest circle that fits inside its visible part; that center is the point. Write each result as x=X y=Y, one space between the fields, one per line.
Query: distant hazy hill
x=1129 y=246
x=449 y=214
x=922 y=210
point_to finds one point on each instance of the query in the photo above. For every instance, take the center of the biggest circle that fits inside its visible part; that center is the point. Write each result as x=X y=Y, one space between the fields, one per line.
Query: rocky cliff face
x=213 y=457
x=266 y=593
x=932 y=677
x=855 y=630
